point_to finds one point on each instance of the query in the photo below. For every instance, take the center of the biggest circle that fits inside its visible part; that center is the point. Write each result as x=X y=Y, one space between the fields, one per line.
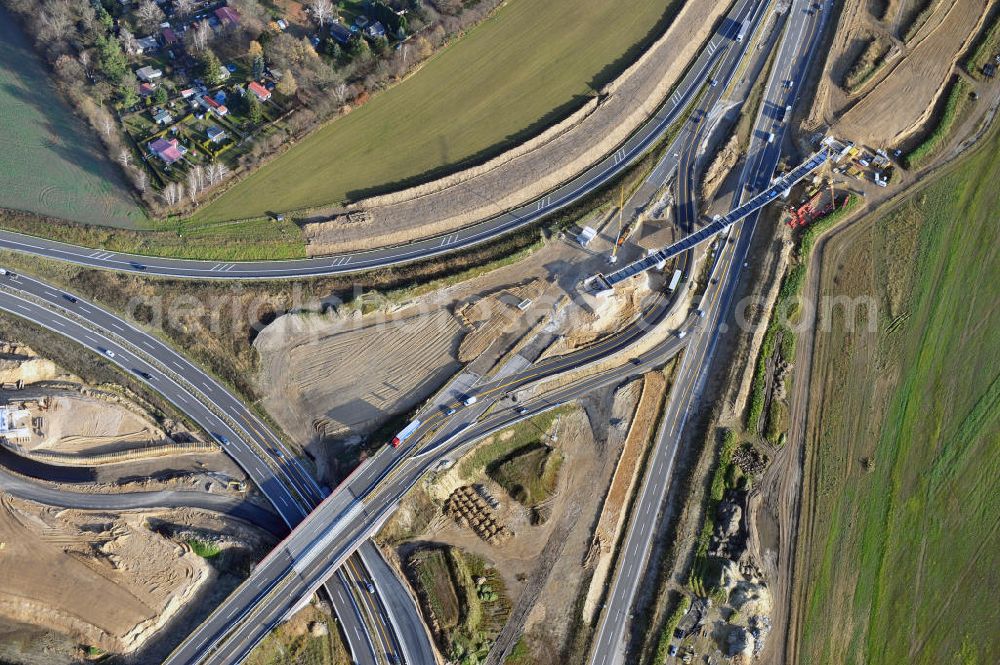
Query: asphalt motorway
x=795 y=52
x=238 y=639
x=54 y=496
x=574 y=190
x=240 y=433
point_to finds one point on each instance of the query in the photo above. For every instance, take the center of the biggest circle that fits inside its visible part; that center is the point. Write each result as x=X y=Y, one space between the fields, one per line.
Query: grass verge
x=262 y=239
x=987 y=45
x=779 y=335
x=956 y=100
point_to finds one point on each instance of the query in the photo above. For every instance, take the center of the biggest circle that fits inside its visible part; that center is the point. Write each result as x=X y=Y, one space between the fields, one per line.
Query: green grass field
x=901 y=506
x=529 y=65
x=529 y=474
x=51 y=162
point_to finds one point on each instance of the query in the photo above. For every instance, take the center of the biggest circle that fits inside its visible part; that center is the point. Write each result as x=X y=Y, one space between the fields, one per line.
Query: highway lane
x=796 y=49
x=574 y=190
x=394 y=595
x=379 y=484
x=387 y=461
x=217 y=269
x=197 y=395
x=218 y=503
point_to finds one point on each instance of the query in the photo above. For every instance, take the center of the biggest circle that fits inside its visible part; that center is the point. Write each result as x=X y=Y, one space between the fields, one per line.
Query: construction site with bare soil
x=334 y=380
x=128 y=579
x=536 y=509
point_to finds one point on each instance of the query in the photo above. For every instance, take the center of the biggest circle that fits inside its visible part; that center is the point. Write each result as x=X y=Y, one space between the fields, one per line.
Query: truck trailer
x=674 y=281
x=405 y=433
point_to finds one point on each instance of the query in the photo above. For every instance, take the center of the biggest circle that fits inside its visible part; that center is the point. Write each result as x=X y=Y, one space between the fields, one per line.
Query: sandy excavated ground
x=890 y=110
x=330 y=376
x=83 y=424
x=904 y=99
x=531 y=169
x=106 y=580
x=20 y=363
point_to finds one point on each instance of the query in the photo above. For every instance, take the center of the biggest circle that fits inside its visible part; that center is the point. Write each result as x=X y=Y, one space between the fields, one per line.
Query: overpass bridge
x=602 y=282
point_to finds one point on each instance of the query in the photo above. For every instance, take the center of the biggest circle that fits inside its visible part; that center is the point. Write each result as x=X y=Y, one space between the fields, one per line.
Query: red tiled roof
x=166 y=150
x=259 y=90
x=227 y=14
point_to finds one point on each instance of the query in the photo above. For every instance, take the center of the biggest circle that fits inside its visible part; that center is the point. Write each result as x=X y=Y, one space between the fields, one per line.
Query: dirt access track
x=533 y=168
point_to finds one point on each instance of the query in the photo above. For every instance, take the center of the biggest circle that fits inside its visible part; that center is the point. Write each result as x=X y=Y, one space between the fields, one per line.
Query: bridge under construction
x=718 y=225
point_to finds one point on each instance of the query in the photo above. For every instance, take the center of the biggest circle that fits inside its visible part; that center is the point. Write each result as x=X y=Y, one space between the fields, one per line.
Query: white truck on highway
x=405 y=433
x=674 y=281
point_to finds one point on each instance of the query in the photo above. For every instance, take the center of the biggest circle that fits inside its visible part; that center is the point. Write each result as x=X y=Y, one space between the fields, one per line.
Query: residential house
x=340 y=33
x=227 y=16
x=148 y=44
x=146 y=89
x=148 y=73
x=188 y=93
x=259 y=91
x=214 y=106
x=169 y=36
x=375 y=30
x=169 y=151
x=161 y=116
x=361 y=21
x=216 y=134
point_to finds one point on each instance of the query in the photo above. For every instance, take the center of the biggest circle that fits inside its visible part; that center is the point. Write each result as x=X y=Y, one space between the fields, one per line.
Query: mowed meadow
x=898 y=545
x=50 y=161
x=524 y=68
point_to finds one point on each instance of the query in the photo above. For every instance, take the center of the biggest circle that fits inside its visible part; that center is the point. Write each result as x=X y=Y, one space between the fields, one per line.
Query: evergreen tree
x=113 y=61
x=254 y=112
x=210 y=68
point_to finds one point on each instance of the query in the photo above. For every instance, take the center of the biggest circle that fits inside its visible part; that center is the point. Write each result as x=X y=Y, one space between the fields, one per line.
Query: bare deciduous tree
x=184 y=7
x=192 y=186
x=55 y=20
x=107 y=125
x=129 y=43
x=340 y=93
x=322 y=11
x=85 y=61
x=199 y=36
x=149 y=14
x=140 y=179
x=170 y=193
x=124 y=157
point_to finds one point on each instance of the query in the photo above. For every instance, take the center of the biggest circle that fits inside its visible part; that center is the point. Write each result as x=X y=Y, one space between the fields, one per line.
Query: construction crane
x=618 y=240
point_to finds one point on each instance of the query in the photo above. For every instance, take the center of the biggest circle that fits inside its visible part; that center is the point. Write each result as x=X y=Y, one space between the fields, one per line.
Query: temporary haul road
x=346 y=518
x=574 y=190
x=791 y=64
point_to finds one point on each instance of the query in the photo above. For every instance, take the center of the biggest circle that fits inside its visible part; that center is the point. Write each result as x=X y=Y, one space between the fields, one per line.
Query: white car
x=109 y=353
